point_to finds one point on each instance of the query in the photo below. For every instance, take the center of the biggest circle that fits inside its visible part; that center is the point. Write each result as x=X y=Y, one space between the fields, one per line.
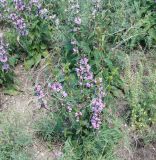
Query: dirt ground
x=25 y=104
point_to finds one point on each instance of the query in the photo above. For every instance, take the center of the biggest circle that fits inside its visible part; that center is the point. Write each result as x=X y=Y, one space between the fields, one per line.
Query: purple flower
x=3 y=58
x=89 y=85
x=84 y=72
x=97 y=105
x=88 y=76
x=13 y=16
x=77 y=20
x=43 y=13
x=5 y=67
x=19 y=24
x=19 y=5
x=64 y=94
x=96 y=121
x=3 y=54
x=39 y=92
x=84 y=61
x=57 y=87
x=3 y=2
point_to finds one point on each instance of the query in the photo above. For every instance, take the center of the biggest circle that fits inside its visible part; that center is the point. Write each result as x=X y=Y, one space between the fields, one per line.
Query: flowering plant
x=85 y=73
x=6 y=75
x=77 y=103
x=32 y=25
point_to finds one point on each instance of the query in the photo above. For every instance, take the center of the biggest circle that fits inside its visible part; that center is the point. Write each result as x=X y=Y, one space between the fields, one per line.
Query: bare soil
x=25 y=104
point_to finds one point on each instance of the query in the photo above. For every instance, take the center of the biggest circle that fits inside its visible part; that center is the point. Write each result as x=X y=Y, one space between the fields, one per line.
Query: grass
x=15 y=139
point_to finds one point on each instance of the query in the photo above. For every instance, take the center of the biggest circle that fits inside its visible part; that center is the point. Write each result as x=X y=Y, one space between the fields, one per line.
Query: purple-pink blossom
x=84 y=72
x=96 y=121
x=97 y=105
x=19 y=24
x=77 y=20
x=39 y=92
x=3 y=2
x=84 y=61
x=19 y=5
x=5 y=67
x=3 y=57
x=57 y=87
x=64 y=94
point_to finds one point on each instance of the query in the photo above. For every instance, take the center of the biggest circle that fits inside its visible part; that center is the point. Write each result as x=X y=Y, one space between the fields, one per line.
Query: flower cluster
x=19 y=5
x=43 y=13
x=97 y=105
x=57 y=87
x=3 y=57
x=3 y=3
x=75 y=9
x=19 y=24
x=77 y=20
x=78 y=115
x=39 y=92
x=69 y=109
x=84 y=73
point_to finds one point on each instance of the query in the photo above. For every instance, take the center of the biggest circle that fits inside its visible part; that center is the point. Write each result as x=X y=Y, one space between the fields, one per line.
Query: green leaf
x=108 y=62
x=11 y=91
x=43 y=46
x=152 y=33
x=13 y=60
x=45 y=54
x=29 y=63
x=85 y=47
x=37 y=58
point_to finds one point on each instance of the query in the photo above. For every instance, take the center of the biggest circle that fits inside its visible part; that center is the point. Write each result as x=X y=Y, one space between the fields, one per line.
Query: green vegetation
x=95 y=56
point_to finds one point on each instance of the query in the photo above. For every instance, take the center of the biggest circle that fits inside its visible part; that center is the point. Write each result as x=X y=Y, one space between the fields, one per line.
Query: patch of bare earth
x=25 y=104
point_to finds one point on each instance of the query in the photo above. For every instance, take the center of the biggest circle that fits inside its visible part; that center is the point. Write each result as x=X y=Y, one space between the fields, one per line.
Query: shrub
x=140 y=91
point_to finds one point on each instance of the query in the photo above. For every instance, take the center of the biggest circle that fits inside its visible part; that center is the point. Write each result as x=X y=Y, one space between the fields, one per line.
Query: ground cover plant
x=93 y=55
x=14 y=139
